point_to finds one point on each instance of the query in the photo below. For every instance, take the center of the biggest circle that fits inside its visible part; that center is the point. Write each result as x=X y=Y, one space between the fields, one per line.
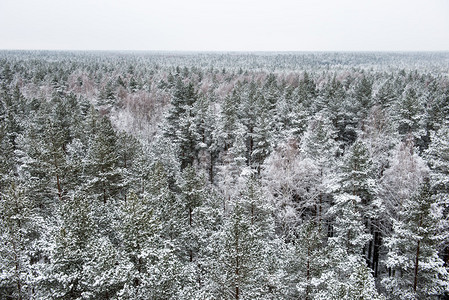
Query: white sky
x=225 y=25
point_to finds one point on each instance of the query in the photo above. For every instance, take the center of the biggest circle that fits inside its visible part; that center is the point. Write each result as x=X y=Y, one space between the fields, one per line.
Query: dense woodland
x=140 y=175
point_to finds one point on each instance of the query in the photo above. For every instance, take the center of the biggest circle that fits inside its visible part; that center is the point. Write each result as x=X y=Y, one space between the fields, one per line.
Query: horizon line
x=227 y=51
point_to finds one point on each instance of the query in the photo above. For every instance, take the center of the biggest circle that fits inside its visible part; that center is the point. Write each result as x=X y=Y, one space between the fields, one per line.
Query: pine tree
x=187 y=139
x=151 y=234
x=362 y=93
x=386 y=94
x=229 y=118
x=107 y=95
x=318 y=141
x=289 y=118
x=438 y=157
x=192 y=196
x=105 y=273
x=168 y=209
x=235 y=160
x=243 y=249
x=37 y=168
x=104 y=180
x=141 y=245
x=357 y=177
x=261 y=137
x=319 y=146
x=416 y=271
x=307 y=90
x=409 y=113
x=209 y=144
x=345 y=274
x=128 y=152
x=201 y=216
x=181 y=127
x=304 y=261
x=7 y=159
x=55 y=141
x=17 y=231
x=64 y=276
x=363 y=286
x=248 y=113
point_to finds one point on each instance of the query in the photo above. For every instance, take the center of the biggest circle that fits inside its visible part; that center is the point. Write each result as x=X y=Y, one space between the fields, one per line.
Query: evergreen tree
x=307 y=90
x=248 y=113
x=7 y=160
x=304 y=261
x=416 y=271
x=318 y=141
x=319 y=146
x=386 y=94
x=130 y=163
x=438 y=157
x=64 y=277
x=181 y=127
x=345 y=274
x=18 y=233
x=261 y=137
x=107 y=95
x=142 y=246
x=229 y=118
x=357 y=177
x=209 y=144
x=104 y=178
x=362 y=93
x=242 y=269
x=409 y=113
x=105 y=273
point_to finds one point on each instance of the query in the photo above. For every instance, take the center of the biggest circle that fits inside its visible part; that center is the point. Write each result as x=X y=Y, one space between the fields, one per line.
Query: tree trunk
x=58 y=184
x=308 y=272
x=251 y=145
x=252 y=213
x=237 y=267
x=319 y=211
x=211 y=169
x=16 y=250
x=415 y=281
x=377 y=243
x=369 y=258
x=59 y=188
x=103 y=186
x=190 y=225
x=17 y=268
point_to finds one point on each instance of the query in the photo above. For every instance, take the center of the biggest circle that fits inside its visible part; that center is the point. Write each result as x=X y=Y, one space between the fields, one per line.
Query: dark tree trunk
x=415 y=281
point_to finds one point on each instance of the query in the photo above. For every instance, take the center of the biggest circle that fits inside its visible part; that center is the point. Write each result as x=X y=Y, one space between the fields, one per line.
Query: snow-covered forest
x=146 y=175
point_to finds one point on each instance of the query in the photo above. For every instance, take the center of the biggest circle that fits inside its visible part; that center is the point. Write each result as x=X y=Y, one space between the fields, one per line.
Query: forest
x=183 y=175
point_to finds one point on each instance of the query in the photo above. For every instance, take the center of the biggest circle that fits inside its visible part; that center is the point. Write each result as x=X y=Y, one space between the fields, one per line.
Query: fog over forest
x=224 y=175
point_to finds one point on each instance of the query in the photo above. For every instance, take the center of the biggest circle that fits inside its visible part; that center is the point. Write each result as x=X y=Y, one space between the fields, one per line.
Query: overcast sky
x=225 y=25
